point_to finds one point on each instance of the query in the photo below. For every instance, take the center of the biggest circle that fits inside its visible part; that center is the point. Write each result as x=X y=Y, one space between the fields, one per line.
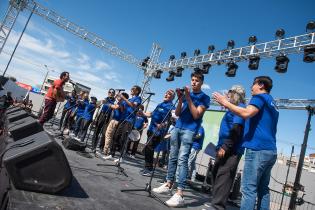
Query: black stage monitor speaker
x=24 y=127
x=13 y=109
x=14 y=116
x=72 y=144
x=37 y=163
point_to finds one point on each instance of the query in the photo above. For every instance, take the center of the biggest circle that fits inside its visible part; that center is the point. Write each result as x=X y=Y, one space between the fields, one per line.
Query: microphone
x=150 y=93
x=72 y=82
x=119 y=90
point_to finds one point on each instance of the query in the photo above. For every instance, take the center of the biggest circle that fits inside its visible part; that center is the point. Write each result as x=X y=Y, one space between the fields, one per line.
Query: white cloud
x=205 y=87
x=101 y=65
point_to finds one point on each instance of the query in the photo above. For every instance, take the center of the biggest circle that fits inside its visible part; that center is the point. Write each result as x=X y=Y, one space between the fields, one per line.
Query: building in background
x=68 y=87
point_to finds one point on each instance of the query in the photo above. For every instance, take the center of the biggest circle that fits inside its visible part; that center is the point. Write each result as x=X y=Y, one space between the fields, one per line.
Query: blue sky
x=177 y=26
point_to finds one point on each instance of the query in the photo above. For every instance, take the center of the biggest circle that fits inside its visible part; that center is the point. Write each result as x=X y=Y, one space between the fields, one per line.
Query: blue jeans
x=256 y=177
x=181 y=142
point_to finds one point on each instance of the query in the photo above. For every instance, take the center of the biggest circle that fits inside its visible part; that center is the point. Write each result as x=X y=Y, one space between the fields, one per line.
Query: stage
x=98 y=187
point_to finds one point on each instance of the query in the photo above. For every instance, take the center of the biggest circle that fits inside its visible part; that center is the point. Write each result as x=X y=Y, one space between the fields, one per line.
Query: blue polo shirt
x=198 y=139
x=158 y=115
x=117 y=114
x=228 y=120
x=70 y=102
x=89 y=111
x=140 y=120
x=186 y=120
x=105 y=107
x=260 y=130
x=130 y=114
x=81 y=107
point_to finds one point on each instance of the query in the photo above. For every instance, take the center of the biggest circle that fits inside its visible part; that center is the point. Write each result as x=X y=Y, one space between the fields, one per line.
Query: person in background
x=81 y=104
x=229 y=150
x=140 y=124
x=71 y=99
x=87 y=119
x=54 y=94
x=259 y=139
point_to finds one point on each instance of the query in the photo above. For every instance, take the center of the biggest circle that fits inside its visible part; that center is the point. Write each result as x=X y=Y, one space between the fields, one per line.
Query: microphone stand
x=148 y=186
x=120 y=169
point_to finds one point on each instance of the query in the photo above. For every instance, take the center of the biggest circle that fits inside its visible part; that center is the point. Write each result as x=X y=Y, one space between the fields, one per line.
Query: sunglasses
x=111 y=92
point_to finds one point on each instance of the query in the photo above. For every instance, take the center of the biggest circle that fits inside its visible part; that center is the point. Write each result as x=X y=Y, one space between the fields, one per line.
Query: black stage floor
x=98 y=187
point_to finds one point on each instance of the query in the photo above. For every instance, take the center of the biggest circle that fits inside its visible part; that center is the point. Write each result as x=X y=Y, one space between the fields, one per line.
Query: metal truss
x=291 y=45
x=8 y=22
x=75 y=29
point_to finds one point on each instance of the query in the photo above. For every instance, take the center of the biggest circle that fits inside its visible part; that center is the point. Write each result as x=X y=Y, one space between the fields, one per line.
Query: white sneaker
x=107 y=157
x=163 y=189
x=132 y=156
x=77 y=138
x=119 y=160
x=71 y=134
x=175 y=201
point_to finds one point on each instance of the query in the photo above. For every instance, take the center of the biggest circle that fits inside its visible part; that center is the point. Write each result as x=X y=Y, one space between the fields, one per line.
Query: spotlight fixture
x=230 y=44
x=282 y=62
x=198 y=70
x=211 y=48
x=309 y=54
x=157 y=74
x=196 y=52
x=183 y=55
x=232 y=67
x=253 y=62
x=310 y=26
x=205 y=68
x=280 y=33
x=179 y=71
x=145 y=61
x=170 y=76
x=252 y=40
x=172 y=57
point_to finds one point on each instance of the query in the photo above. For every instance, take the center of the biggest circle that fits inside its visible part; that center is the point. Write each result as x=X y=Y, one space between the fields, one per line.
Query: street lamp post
x=41 y=88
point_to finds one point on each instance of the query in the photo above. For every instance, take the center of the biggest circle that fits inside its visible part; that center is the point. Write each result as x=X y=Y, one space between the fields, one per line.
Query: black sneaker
x=147 y=172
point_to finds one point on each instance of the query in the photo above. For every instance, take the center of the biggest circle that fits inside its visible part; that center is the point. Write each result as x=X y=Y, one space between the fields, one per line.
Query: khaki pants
x=111 y=128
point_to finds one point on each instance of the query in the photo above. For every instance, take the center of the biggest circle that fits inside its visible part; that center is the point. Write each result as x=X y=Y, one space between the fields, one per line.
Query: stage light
x=172 y=57
x=211 y=48
x=253 y=62
x=252 y=40
x=232 y=67
x=179 y=71
x=280 y=33
x=196 y=52
x=183 y=55
x=310 y=27
x=230 y=44
x=157 y=74
x=205 y=68
x=198 y=70
x=309 y=54
x=170 y=76
x=282 y=62
x=145 y=61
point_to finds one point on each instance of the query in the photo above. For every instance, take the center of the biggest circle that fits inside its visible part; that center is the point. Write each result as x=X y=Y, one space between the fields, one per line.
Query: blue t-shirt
x=158 y=115
x=139 y=122
x=70 y=102
x=198 y=139
x=260 y=130
x=117 y=114
x=130 y=114
x=81 y=107
x=105 y=107
x=89 y=111
x=186 y=120
x=227 y=122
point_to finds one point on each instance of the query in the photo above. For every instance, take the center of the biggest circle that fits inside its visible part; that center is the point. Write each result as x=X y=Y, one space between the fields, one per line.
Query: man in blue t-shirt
x=157 y=129
x=86 y=119
x=129 y=118
x=71 y=99
x=229 y=150
x=140 y=124
x=102 y=120
x=81 y=104
x=190 y=109
x=259 y=139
